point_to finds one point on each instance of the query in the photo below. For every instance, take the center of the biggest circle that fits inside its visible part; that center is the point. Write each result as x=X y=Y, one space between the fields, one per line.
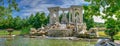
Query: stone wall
x=60 y=33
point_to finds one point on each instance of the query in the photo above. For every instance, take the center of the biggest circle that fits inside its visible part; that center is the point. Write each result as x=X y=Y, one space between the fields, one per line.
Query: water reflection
x=21 y=41
x=2 y=41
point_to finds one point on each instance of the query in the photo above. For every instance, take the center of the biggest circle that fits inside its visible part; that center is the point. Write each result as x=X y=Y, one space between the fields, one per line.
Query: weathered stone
x=59 y=33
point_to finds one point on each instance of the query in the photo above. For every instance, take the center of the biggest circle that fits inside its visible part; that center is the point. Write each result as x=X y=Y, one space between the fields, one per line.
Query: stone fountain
x=10 y=30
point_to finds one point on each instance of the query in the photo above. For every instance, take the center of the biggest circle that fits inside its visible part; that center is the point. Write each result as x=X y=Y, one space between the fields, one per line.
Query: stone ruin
x=68 y=26
x=75 y=15
x=93 y=32
x=38 y=32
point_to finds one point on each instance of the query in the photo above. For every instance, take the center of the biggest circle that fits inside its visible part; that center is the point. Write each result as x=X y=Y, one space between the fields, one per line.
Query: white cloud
x=98 y=19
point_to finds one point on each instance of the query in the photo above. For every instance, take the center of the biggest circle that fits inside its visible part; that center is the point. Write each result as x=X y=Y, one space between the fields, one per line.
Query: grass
x=4 y=32
x=101 y=33
x=116 y=37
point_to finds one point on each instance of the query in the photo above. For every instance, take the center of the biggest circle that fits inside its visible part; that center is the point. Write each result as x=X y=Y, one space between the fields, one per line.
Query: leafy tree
x=47 y=20
x=110 y=8
x=112 y=28
x=42 y=19
x=88 y=17
x=9 y=22
x=2 y=23
x=37 y=22
x=31 y=20
x=25 y=23
x=7 y=6
x=17 y=23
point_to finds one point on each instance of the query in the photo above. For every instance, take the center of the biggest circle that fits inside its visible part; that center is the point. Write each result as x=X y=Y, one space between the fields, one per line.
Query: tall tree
x=31 y=20
x=9 y=22
x=6 y=8
x=112 y=28
x=17 y=23
x=109 y=9
x=42 y=19
x=88 y=17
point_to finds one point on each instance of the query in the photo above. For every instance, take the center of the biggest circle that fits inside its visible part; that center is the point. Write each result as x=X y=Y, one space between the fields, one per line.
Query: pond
x=20 y=41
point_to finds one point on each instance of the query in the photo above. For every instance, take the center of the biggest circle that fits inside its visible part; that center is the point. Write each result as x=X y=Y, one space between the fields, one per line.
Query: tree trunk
x=112 y=38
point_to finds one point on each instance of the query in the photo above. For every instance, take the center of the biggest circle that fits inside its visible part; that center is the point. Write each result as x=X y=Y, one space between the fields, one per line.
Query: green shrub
x=25 y=30
x=117 y=37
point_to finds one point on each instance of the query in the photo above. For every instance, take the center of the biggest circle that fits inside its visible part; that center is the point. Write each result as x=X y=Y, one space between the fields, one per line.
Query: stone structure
x=93 y=32
x=75 y=14
x=54 y=15
x=73 y=23
x=38 y=32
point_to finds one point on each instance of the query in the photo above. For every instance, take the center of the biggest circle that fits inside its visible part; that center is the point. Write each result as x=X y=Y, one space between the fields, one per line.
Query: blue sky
x=28 y=7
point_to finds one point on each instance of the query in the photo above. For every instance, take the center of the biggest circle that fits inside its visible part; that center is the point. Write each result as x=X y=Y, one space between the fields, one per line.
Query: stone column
x=73 y=16
x=64 y=18
x=51 y=16
x=80 y=15
x=50 y=20
x=57 y=16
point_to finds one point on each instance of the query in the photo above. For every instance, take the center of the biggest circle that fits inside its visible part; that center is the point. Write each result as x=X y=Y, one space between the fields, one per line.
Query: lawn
x=102 y=34
x=4 y=32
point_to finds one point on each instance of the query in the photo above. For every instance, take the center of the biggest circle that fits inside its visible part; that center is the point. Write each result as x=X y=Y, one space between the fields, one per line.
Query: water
x=20 y=41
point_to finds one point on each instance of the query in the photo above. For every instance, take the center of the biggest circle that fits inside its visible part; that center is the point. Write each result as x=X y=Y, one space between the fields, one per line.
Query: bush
x=117 y=37
x=25 y=30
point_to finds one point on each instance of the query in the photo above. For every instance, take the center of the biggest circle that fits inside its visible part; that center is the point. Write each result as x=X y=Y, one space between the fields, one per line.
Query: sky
x=28 y=7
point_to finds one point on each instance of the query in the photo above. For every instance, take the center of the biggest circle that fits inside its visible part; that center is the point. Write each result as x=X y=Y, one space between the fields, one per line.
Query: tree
x=2 y=23
x=47 y=20
x=7 y=6
x=9 y=22
x=37 y=22
x=31 y=20
x=110 y=8
x=17 y=23
x=112 y=28
x=42 y=19
x=88 y=17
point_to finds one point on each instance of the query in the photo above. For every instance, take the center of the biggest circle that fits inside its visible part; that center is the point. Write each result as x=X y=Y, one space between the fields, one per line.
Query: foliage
x=37 y=20
x=7 y=6
x=112 y=27
x=25 y=30
x=117 y=37
x=99 y=24
x=110 y=9
x=88 y=17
